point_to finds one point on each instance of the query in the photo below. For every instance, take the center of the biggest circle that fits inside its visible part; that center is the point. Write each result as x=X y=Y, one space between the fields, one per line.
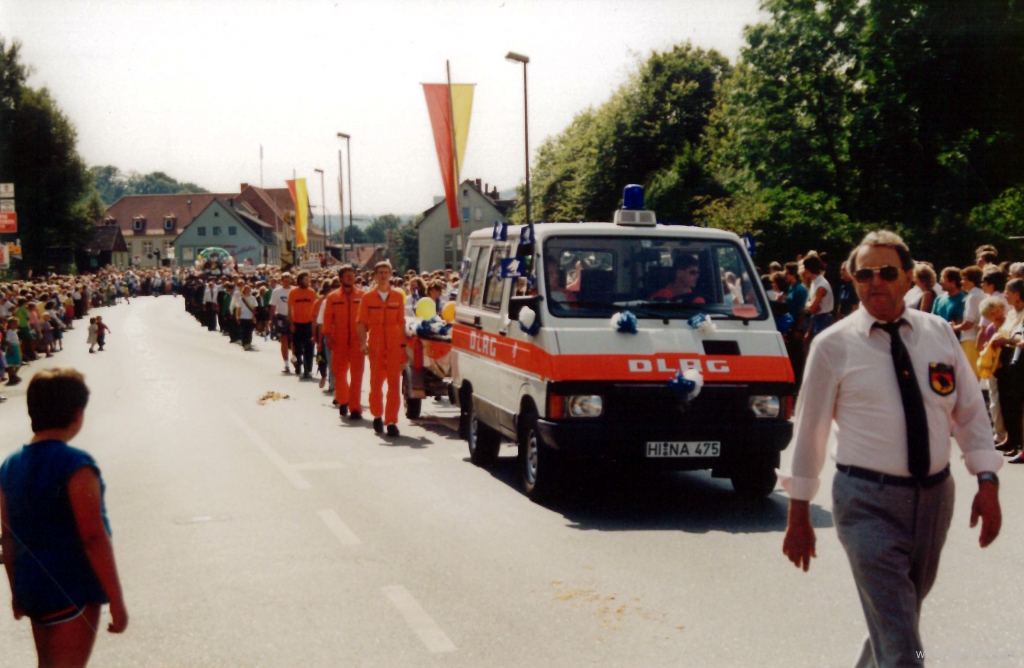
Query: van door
x=487 y=384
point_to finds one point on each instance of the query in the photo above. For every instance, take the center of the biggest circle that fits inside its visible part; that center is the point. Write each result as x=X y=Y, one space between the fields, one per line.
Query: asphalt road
x=276 y=535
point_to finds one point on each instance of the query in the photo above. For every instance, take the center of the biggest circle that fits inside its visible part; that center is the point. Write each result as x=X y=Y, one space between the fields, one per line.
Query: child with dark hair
x=56 y=540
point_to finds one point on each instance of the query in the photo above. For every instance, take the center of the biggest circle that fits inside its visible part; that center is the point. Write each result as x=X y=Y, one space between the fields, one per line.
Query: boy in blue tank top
x=56 y=537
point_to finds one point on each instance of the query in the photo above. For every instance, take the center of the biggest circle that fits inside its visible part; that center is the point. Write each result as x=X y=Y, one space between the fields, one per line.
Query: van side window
x=495 y=284
x=469 y=265
x=476 y=294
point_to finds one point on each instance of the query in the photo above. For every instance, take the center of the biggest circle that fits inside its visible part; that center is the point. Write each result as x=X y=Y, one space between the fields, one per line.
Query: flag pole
x=455 y=157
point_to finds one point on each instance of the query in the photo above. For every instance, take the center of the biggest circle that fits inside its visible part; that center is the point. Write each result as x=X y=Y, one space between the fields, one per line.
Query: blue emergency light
x=633 y=198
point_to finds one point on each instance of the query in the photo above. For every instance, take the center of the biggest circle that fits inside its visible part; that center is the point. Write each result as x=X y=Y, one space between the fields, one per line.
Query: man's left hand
x=986 y=506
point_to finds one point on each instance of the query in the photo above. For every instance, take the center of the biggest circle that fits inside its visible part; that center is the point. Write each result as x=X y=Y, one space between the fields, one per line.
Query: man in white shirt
x=896 y=384
x=820 y=300
x=280 y=317
x=210 y=307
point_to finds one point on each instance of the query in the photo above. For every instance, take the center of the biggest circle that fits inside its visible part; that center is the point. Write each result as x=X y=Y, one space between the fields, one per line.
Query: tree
x=649 y=132
x=112 y=184
x=38 y=154
x=377 y=230
x=406 y=245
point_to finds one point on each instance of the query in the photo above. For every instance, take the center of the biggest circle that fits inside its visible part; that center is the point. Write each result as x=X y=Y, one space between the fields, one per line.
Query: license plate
x=683 y=448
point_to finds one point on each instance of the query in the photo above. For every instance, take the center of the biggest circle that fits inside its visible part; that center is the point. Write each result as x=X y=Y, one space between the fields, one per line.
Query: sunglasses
x=888 y=273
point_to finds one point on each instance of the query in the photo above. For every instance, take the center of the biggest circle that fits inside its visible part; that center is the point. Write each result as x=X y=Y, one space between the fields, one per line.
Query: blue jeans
x=821 y=322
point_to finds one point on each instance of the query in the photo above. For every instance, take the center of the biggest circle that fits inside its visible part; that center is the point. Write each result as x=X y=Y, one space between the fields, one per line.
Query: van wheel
x=412 y=406
x=755 y=484
x=541 y=465
x=484 y=442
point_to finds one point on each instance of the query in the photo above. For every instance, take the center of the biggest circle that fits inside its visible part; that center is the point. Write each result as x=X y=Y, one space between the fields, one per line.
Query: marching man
x=341 y=311
x=381 y=328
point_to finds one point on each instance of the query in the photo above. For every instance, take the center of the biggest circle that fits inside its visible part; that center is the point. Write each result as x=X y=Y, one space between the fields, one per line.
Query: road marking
x=398 y=461
x=338 y=528
x=318 y=466
x=418 y=620
x=277 y=460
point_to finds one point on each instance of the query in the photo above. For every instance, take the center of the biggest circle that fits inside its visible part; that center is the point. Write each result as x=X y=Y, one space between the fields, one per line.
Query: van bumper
x=741 y=445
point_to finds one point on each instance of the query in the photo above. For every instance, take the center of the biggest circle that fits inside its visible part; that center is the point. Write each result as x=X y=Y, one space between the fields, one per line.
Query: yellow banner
x=462 y=108
x=301 y=213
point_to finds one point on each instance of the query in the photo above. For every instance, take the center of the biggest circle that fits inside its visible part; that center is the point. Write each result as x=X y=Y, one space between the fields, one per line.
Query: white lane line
x=418 y=620
x=398 y=461
x=338 y=528
x=318 y=466
x=277 y=460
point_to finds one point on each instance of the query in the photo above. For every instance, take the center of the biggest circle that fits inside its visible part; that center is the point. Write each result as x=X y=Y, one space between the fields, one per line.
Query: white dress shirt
x=972 y=312
x=850 y=386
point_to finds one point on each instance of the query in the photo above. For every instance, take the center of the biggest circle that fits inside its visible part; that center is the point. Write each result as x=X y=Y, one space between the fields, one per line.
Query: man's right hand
x=799 y=543
x=120 y=618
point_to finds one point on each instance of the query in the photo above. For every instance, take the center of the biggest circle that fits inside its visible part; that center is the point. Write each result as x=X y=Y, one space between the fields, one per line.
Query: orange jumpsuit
x=385 y=325
x=341 y=312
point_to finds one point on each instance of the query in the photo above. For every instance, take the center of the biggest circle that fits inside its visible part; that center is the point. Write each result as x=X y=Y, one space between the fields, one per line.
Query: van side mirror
x=517 y=302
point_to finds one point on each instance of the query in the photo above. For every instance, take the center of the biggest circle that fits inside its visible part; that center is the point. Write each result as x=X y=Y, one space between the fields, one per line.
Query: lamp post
x=513 y=57
x=323 y=207
x=348 y=147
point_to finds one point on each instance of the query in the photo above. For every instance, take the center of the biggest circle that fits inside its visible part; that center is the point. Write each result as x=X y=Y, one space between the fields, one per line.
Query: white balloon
x=527 y=317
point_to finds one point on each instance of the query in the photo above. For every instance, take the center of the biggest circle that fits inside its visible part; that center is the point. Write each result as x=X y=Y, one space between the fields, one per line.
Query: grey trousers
x=893 y=537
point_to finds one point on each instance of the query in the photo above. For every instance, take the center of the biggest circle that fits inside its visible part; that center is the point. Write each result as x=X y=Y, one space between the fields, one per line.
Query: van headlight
x=765 y=406
x=584 y=405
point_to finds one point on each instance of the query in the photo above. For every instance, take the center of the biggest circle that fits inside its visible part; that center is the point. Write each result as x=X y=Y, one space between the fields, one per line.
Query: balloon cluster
x=430 y=321
x=702 y=323
x=687 y=384
x=624 y=323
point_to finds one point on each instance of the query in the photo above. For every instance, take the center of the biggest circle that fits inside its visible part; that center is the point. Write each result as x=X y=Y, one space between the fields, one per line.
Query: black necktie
x=918 y=455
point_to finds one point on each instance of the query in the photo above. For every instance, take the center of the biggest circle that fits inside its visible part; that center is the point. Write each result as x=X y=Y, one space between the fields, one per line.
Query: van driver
x=686 y=272
x=556 y=292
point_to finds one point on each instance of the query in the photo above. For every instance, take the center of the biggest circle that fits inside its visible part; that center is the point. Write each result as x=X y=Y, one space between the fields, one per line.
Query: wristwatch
x=989 y=476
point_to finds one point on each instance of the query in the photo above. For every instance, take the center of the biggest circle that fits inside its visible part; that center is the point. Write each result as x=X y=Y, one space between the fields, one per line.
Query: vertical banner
x=297 y=188
x=440 y=107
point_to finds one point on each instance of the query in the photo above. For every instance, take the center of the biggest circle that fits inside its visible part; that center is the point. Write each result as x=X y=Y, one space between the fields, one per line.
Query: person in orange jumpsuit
x=381 y=328
x=341 y=311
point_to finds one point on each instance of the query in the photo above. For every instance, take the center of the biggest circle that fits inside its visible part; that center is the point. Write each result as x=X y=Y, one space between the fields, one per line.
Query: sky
x=194 y=87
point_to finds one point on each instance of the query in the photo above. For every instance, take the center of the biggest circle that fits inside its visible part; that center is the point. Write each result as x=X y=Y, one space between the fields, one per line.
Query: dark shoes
x=342 y=411
x=393 y=431
x=1004 y=447
x=378 y=425
x=356 y=415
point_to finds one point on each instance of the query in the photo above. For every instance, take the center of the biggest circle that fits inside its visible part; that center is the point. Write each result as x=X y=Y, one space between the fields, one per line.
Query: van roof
x=610 y=229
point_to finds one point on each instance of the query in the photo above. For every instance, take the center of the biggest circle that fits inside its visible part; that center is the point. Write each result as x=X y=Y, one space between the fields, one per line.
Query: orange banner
x=441 y=123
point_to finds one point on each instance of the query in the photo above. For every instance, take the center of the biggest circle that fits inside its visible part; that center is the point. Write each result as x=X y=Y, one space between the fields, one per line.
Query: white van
x=577 y=385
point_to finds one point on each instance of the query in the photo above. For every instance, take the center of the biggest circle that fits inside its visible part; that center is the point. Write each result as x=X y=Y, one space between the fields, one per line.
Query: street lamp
x=323 y=208
x=348 y=147
x=513 y=57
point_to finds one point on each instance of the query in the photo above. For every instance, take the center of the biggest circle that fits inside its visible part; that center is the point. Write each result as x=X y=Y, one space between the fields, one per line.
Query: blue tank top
x=52 y=571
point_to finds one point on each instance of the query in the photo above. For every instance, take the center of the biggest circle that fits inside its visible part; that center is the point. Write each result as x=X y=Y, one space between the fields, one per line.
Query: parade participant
x=341 y=313
x=56 y=541
x=279 y=316
x=381 y=330
x=897 y=384
x=245 y=316
x=300 y=307
x=210 y=307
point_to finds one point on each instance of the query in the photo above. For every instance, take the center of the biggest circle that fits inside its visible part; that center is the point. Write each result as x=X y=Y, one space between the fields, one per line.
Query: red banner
x=8 y=223
x=438 y=104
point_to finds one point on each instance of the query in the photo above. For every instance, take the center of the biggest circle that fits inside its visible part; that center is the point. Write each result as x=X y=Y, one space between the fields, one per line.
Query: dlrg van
x=632 y=342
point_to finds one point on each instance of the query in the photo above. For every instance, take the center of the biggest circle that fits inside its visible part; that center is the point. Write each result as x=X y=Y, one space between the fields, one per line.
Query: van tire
x=484 y=442
x=757 y=483
x=541 y=465
x=412 y=406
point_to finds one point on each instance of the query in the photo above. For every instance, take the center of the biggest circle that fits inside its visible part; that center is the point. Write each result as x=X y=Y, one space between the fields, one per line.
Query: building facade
x=151 y=223
x=441 y=245
x=231 y=225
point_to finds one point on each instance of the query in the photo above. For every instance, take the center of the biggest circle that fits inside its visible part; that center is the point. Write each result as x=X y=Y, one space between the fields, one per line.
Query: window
x=595 y=277
x=232 y=231
x=169 y=222
x=478 y=213
x=465 y=213
x=201 y=231
x=476 y=295
x=469 y=264
x=147 y=247
x=188 y=254
x=495 y=284
x=216 y=230
x=138 y=223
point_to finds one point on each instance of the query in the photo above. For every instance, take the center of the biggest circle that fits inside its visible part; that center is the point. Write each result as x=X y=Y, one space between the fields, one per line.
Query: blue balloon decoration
x=626 y=323
x=682 y=385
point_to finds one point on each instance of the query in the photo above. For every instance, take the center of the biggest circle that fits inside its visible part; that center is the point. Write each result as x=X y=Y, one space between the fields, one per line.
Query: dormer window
x=109 y=220
x=138 y=223
x=169 y=222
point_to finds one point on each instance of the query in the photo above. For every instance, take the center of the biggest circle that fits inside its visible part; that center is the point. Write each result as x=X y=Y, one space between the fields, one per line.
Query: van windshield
x=652 y=277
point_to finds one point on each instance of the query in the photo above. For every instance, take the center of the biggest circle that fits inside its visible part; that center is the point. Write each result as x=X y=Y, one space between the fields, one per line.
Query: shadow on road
x=597 y=499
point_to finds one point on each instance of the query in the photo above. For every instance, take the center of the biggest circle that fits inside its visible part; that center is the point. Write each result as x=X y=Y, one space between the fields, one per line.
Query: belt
x=899 y=481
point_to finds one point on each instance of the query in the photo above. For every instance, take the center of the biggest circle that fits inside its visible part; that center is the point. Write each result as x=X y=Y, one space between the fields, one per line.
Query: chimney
x=244 y=186
x=477 y=182
x=487 y=188
x=495 y=195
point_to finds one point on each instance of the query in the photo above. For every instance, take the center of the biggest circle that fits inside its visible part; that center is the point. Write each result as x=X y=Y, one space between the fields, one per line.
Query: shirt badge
x=942 y=378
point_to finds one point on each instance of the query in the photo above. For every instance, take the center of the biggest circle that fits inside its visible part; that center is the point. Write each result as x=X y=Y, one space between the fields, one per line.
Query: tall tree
x=377 y=230
x=38 y=154
x=112 y=184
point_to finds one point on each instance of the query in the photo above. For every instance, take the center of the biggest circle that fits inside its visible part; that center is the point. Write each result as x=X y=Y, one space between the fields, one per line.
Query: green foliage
x=38 y=154
x=112 y=184
x=377 y=230
x=648 y=133
x=406 y=249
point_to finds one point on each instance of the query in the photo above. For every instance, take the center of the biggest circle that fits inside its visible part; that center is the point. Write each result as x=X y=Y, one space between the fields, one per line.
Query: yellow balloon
x=448 y=312
x=426 y=308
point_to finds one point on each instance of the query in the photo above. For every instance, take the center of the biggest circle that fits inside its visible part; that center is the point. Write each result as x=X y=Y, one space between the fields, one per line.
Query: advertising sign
x=8 y=223
x=6 y=206
x=14 y=249
x=7 y=190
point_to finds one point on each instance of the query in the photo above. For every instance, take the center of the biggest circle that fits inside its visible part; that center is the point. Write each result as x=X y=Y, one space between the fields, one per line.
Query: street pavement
x=274 y=534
